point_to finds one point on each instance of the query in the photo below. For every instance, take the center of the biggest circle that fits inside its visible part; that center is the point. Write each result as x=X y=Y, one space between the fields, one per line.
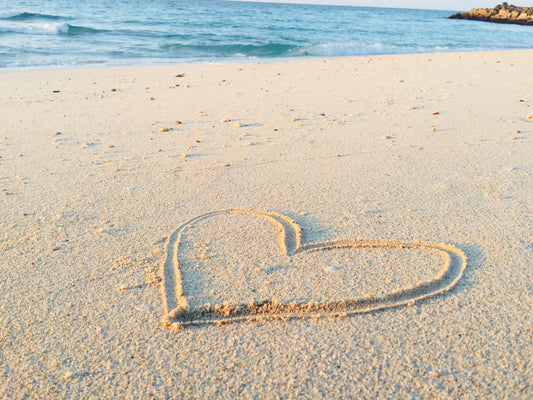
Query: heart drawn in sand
x=295 y=280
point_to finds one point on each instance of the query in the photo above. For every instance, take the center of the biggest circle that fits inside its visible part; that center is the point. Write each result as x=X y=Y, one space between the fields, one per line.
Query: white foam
x=45 y=28
x=345 y=49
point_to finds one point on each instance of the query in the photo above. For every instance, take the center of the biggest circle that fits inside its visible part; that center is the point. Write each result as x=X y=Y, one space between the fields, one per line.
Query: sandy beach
x=329 y=228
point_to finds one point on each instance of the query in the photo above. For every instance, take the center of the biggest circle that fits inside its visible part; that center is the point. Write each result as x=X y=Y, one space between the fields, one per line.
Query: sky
x=454 y=5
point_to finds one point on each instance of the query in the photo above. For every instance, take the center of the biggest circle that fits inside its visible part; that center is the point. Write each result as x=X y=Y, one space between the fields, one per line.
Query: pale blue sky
x=459 y=5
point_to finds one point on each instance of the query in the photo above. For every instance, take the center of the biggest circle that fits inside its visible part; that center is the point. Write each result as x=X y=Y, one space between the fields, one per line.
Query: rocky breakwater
x=503 y=14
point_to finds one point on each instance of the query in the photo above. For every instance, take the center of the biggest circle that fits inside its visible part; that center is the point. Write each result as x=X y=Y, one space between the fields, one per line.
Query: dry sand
x=96 y=175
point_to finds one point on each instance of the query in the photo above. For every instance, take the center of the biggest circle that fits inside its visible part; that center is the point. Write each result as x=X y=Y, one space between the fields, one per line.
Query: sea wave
x=83 y=30
x=364 y=49
x=8 y=14
x=39 y=63
x=25 y=16
x=280 y=50
x=47 y=28
x=342 y=49
x=227 y=50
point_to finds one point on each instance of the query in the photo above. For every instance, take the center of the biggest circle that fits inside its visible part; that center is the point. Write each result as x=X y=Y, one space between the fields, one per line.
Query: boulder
x=502 y=13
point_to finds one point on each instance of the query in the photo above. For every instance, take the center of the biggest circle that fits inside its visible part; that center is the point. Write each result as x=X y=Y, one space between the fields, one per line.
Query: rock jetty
x=503 y=14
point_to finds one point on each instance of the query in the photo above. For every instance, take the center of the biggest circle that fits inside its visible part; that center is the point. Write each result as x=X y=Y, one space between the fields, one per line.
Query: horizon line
x=304 y=2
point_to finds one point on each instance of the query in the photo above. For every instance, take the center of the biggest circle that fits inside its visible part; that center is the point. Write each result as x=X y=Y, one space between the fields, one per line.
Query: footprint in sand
x=251 y=265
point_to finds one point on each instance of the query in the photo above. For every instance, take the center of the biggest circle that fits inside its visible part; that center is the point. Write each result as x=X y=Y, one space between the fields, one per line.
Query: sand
x=397 y=187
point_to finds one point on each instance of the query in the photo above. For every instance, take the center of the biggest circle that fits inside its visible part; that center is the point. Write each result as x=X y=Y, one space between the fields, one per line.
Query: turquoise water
x=61 y=33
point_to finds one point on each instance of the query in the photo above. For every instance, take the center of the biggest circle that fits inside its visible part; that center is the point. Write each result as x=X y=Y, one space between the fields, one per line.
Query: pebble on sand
x=68 y=375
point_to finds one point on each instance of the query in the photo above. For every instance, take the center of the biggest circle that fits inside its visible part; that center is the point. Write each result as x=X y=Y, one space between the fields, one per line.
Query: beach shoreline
x=239 y=61
x=99 y=166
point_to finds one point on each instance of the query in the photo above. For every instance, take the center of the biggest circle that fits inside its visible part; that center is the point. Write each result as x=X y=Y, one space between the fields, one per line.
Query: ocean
x=66 y=33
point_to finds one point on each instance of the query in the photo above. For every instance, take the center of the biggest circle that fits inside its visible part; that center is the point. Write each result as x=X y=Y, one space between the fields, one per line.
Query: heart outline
x=177 y=314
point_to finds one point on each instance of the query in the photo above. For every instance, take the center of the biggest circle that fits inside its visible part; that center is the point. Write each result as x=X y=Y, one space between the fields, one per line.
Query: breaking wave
x=27 y=16
x=47 y=28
